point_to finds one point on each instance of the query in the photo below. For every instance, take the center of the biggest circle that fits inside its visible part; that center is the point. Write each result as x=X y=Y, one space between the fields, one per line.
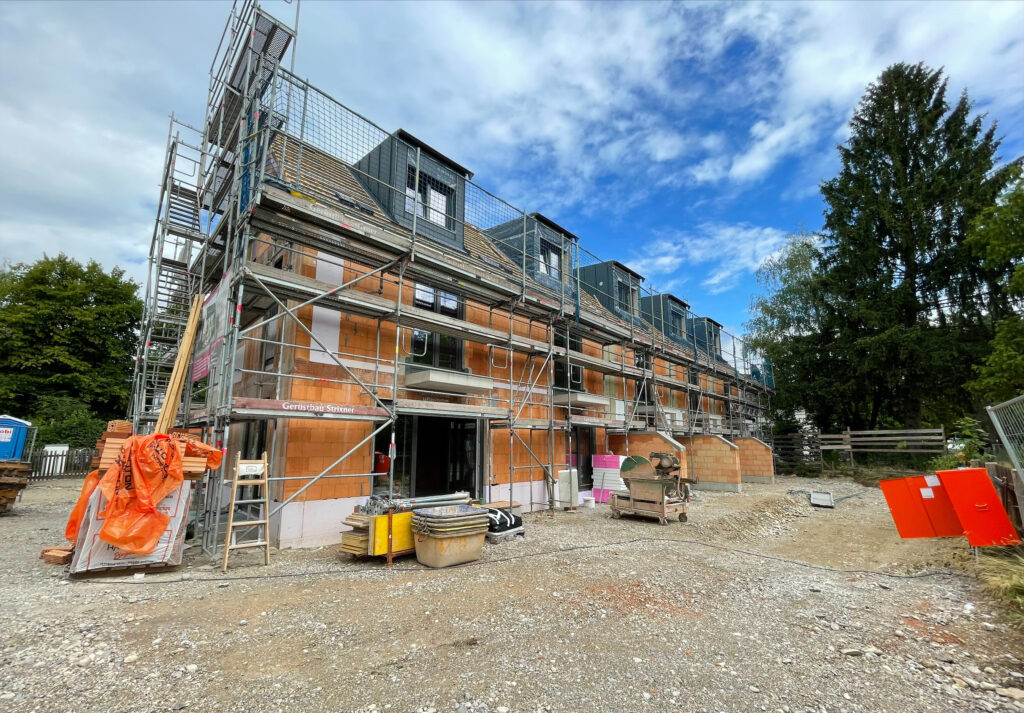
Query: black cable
x=528 y=555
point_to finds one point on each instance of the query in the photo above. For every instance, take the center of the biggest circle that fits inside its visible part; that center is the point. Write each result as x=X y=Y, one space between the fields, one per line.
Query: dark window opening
x=694 y=401
x=625 y=296
x=566 y=377
x=430 y=348
x=436 y=199
x=676 y=323
x=550 y=260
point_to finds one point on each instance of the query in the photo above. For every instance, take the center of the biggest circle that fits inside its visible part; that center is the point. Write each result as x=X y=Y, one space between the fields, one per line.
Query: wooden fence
x=806 y=448
x=914 y=440
x=73 y=463
x=795 y=449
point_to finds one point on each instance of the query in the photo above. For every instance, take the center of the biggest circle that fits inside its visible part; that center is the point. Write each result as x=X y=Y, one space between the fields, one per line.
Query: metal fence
x=1008 y=419
x=72 y=463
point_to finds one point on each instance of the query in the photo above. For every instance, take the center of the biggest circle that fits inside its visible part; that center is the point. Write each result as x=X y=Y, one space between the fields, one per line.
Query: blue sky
x=686 y=140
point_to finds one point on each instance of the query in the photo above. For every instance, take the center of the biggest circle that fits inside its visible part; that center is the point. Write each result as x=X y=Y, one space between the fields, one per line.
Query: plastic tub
x=588 y=502
x=448 y=512
x=445 y=551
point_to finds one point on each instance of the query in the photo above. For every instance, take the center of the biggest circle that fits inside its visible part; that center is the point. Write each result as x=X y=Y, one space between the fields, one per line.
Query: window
x=568 y=378
x=550 y=260
x=436 y=200
x=625 y=296
x=430 y=348
x=676 y=323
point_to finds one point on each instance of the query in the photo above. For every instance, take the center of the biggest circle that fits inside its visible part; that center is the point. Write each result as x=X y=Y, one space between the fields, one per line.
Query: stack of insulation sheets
x=606 y=476
x=449 y=535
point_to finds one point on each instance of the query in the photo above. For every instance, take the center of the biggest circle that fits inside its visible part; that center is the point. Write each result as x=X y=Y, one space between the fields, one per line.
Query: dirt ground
x=758 y=603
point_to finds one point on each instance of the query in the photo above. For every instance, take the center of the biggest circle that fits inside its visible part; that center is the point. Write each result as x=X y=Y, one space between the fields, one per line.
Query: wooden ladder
x=249 y=468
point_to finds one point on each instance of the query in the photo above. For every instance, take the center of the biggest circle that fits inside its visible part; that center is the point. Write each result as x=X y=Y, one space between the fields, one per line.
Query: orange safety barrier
x=949 y=504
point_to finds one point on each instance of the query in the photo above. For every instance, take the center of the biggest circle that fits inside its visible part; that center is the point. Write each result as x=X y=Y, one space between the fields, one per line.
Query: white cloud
x=559 y=107
x=723 y=253
x=825 y=54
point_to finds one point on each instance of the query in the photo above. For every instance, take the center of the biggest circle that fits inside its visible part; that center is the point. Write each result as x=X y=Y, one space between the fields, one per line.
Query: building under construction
x=366 y=298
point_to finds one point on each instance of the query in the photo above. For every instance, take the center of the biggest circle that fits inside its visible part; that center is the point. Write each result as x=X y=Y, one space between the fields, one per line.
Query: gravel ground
x=758 y=603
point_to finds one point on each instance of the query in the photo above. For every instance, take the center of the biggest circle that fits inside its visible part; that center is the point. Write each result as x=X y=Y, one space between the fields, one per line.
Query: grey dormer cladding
x=603 y=281
x=669 y=315
x=387 y=172
x=707 y=334
x=537 y=231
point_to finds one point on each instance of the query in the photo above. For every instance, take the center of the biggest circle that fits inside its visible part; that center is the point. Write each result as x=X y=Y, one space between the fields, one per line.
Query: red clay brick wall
x=755 y=459
x=643 y=444
x=715 y=461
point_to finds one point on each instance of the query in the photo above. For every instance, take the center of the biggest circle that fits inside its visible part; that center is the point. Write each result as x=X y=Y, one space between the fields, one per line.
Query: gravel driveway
x=758 y=603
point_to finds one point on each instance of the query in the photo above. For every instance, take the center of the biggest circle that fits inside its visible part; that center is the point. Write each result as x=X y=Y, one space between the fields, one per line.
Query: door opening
x=434 y=455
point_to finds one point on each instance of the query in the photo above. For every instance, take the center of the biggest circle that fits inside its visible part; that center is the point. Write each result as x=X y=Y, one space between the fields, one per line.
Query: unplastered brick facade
x=756 y=462
x=367 y=287
x=715 y=463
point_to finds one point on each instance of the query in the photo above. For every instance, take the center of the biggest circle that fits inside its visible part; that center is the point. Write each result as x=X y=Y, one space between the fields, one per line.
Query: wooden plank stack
x=169 y=408
x=356 y=542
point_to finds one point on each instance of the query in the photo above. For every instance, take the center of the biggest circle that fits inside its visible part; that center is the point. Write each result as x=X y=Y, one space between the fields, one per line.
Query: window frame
x=550 y=264
x=429 y=186
x=441 y=302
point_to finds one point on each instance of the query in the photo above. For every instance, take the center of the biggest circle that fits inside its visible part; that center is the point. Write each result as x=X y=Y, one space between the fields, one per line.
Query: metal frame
x=270 y=165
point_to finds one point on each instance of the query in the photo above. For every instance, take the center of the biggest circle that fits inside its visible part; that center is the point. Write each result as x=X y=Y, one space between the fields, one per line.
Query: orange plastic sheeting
x=198 y=449
x=147 y=469
x=978 y=507
x=78 y=512
x=921 y=507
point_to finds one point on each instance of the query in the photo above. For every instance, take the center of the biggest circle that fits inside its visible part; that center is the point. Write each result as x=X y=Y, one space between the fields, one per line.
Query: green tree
x=66 y=330
x=62 y=419
x=998 y=235
x=912 y=302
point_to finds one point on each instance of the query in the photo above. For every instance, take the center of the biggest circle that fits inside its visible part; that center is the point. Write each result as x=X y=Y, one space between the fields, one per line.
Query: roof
x=432 y=152
x=620 y=266
x=670 y=296
x=553 y=225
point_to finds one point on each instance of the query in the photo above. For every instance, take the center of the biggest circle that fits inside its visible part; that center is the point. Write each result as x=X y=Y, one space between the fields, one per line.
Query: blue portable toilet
x=13 y=432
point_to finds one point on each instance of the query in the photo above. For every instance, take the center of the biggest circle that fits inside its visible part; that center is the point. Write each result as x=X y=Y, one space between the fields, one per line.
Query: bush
x=62 y=419
x=947 y=461
x=1002 y=574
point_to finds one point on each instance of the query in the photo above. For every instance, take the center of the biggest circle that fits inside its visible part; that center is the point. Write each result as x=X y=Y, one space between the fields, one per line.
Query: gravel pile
x=737 y=610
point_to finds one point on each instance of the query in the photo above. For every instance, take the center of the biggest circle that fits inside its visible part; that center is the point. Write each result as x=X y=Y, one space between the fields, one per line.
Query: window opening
x=550 y=260
x=436 y=199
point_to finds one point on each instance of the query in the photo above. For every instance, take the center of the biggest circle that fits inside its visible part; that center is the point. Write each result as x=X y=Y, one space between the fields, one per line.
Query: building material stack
x=13 y=479
x=14 y=472
x=606 y=476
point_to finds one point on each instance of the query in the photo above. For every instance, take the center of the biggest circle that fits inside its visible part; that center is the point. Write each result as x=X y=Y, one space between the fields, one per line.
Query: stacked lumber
x=57 y=555
x=356 y=542
x=13 y=479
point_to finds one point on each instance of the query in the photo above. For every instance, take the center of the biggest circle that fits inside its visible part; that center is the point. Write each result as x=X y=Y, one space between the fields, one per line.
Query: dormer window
x=550 y=260
x=676 y=323
x=436 y=200
x=625 y=296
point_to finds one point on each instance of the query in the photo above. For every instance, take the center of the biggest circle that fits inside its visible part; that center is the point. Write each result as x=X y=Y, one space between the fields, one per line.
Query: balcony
x=450 y=382
x=580 y=398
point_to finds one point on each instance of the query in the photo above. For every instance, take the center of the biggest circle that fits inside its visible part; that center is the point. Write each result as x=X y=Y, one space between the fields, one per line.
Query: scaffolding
x=287 y=205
